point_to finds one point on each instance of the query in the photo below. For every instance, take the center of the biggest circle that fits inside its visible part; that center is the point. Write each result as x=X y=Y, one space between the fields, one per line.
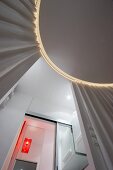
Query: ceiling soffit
x=53 y=65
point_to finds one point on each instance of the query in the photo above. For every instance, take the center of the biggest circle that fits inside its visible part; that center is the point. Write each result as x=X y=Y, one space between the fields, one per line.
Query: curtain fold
x=99 y=106
x=19 y=49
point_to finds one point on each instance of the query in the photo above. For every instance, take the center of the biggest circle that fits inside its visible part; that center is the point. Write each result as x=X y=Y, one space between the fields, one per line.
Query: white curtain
x=18 y=46
x=97 y=103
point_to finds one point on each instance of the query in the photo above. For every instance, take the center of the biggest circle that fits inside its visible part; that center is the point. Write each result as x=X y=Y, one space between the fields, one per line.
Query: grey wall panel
x=96 y=109
x=18 y=52
x=18 y=46
x=11 y=77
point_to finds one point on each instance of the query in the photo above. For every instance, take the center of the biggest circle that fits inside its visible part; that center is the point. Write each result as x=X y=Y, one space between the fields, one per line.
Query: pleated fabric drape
x=97 y=103
x=18 y=45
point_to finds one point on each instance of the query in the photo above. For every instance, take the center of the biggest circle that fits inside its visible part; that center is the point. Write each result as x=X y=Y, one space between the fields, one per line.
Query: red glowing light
x=26 y=145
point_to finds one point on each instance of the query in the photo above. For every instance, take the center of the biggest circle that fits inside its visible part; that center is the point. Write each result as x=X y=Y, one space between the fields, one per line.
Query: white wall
x=42 y=134
x=48 y=98
x=44 y=94
x=50 y=109
x=11 y=118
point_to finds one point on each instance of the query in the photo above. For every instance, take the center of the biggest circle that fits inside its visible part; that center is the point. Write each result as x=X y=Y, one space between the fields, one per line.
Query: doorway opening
x=52 y=146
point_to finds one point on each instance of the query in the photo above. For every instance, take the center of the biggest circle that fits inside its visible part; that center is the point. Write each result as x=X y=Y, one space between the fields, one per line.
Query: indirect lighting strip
x=49 y=61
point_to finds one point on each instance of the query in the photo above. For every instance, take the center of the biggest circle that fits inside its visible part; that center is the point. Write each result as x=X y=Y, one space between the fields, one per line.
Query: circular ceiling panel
x=78 y=37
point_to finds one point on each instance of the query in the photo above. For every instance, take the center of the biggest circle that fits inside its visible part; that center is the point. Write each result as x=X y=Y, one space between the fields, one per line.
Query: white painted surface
x=68 y=159
x=78 y=37
x=86 y=143
x=48 y=91
x=41 y=90
x=43 y=84
x=11 y=118
x=78 y=139
x=42 y=149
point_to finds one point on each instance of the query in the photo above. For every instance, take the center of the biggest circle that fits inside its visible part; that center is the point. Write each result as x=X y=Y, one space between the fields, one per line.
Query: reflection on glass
x=79 y=144
x=69 y=159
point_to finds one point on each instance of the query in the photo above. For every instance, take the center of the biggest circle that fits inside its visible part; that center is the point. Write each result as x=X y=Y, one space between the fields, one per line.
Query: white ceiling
x=47 y=88
x=78 y=37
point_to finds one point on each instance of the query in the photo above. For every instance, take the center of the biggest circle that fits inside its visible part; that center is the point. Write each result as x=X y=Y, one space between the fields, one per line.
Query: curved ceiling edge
x=49 y=61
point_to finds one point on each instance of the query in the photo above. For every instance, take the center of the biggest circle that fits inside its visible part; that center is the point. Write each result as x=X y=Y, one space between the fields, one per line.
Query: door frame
x=57 y=122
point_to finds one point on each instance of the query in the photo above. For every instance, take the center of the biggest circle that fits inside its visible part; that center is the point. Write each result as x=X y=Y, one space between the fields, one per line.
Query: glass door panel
x=68 y=158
